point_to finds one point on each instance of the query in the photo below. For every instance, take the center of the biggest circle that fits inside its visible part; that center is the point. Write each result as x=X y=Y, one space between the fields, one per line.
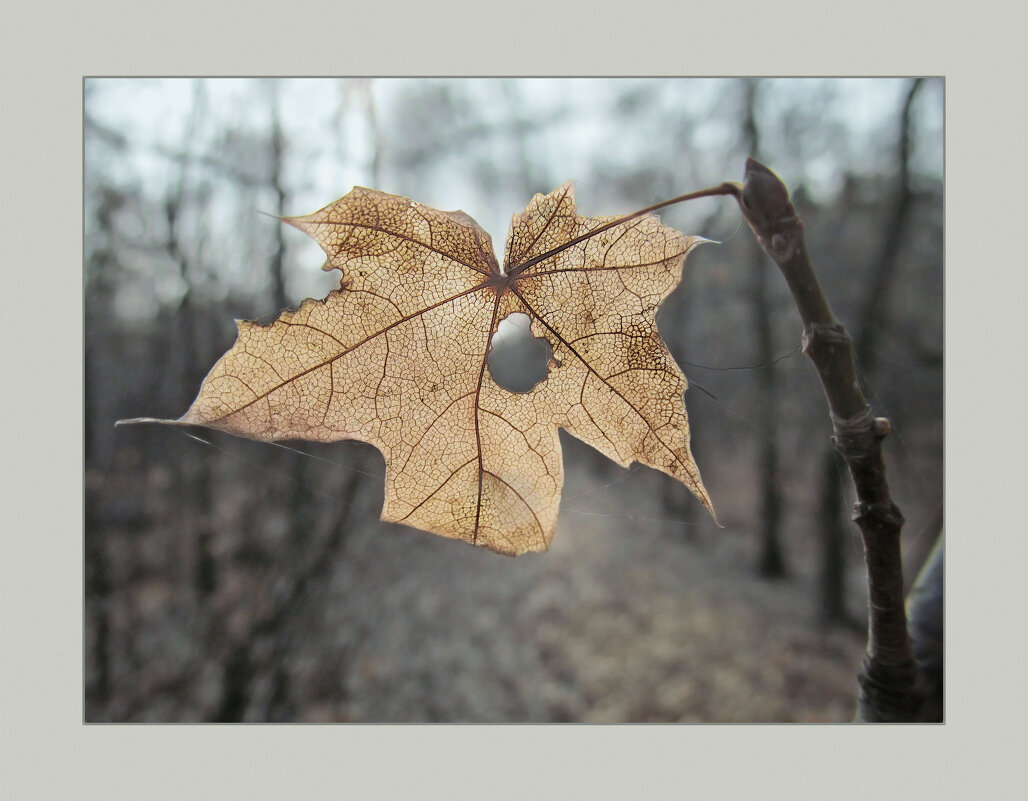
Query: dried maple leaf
x=397 y=357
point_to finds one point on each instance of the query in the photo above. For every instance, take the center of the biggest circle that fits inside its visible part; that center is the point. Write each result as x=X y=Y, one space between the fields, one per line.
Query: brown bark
x=865 y=347
x=888 y=674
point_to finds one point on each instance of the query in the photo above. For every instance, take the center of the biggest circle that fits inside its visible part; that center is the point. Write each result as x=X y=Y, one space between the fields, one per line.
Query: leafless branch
x=888 y=676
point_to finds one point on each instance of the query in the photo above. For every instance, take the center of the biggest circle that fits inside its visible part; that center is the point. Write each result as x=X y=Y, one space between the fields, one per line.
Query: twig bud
x=765 y=197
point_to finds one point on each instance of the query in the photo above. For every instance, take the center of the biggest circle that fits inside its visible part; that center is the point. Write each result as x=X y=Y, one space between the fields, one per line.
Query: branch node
x=878 y=516
x=882 y=427
x=824 y=334
x=855 y=437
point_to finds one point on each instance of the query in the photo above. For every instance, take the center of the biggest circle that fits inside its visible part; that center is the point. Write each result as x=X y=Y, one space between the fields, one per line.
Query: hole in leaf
x=517 y=360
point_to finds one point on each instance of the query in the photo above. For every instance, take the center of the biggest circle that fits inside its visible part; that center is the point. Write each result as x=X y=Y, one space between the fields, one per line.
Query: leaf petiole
x=732 y=188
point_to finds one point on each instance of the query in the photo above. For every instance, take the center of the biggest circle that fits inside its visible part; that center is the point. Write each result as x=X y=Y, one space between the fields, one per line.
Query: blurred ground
x=622 y=620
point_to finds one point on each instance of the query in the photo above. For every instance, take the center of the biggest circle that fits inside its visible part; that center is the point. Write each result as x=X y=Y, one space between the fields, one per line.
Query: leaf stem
x=727 y=188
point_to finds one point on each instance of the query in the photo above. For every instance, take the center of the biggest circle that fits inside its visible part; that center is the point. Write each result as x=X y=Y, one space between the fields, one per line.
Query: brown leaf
x=397 y=357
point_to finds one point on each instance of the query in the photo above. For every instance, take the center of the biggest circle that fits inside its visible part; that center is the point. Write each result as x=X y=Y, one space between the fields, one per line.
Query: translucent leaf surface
x=398 y=357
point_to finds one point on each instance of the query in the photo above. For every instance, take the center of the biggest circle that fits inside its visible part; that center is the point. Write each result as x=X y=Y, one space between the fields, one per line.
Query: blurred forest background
x=229 y=580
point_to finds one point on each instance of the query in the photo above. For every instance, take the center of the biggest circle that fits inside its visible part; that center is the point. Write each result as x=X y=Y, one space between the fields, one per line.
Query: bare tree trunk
x=99 y=452
x=872 y=321
x=772 y=558
x=243 y=664
x=311 y=520
x=520 y=127
x=97 y=569
x=278 y=277
x=188 y=349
